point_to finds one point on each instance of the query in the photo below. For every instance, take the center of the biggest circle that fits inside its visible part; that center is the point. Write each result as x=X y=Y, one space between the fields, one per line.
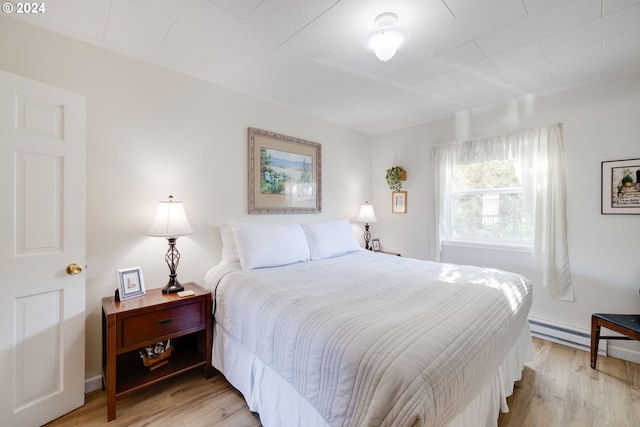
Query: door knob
x=74 y=269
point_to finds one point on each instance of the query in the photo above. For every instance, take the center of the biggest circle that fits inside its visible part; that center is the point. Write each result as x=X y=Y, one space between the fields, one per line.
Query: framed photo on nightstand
x=130 y=282
x=375 y=245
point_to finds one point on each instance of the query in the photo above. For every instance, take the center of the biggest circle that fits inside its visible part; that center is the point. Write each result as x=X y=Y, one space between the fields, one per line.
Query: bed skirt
x=279 y=404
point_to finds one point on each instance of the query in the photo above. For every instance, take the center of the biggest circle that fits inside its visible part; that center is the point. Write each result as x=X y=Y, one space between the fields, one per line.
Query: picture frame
x=399 y=202
x=620 y=192
x=375 y=245
x=130 y=283
x=285 y=174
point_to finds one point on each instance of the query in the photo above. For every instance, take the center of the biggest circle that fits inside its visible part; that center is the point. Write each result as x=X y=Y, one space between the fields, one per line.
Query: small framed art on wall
x=399 y=202
x=621 y=187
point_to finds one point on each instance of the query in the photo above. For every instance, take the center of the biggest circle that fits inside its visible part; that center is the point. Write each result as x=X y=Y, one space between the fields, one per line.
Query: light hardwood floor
x=558 y=388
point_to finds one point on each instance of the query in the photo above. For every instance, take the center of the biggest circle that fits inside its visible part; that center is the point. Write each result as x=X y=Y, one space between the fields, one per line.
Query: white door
x=42 y=231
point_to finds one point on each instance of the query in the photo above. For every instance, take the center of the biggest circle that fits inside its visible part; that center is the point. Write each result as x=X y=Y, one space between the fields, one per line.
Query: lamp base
x=172 y=286
x=173 y=258
x=367 y=236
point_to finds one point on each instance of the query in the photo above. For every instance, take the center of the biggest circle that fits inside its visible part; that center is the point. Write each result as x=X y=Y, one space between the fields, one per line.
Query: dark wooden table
x=130 y=325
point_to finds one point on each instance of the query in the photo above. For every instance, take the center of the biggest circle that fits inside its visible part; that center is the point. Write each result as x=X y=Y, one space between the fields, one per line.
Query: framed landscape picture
x=621 y=187
x=285 y=174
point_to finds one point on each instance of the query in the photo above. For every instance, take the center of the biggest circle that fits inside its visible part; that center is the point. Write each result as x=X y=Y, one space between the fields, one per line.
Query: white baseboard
x=580 y=339
x=624 y=353
x=564 y=335
x=92 y=384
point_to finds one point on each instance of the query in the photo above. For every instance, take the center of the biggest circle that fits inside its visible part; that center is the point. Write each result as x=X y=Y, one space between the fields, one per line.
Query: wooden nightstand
x=131 y=325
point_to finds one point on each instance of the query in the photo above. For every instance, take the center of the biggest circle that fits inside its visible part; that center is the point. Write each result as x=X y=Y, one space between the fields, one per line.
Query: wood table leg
x=595 y=340
x=110 y=374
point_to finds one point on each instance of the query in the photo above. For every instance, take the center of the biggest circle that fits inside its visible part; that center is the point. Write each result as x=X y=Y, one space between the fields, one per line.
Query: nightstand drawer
x=157 y=325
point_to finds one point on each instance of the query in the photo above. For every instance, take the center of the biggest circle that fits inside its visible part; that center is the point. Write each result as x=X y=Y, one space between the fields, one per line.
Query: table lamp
x=367 y=216
x=171 y=223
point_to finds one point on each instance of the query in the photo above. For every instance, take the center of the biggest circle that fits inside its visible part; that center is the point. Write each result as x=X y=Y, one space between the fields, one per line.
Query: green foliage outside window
x=486 y=204
x=488 y=175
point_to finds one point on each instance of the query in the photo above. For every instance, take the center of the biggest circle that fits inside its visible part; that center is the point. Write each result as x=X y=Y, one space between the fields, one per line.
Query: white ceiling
x=308 y=54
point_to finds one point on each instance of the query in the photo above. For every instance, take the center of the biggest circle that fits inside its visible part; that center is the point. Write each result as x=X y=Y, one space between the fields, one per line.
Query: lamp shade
x=170 y=220
x=387 y=38
x=366 y=214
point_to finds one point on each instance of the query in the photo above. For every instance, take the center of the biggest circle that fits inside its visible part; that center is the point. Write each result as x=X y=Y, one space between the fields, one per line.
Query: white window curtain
x=540 y=164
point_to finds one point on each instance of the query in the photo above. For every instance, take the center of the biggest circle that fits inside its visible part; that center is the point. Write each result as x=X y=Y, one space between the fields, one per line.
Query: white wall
x=600 y=122
x=152 y=132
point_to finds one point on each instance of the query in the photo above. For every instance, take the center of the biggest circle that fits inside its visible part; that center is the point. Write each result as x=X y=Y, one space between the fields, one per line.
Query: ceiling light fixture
x=387 y=38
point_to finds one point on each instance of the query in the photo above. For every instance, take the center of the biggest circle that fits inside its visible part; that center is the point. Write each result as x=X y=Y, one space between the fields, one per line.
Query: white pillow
x=330 y=238
x=270 y=245
x=229 y=249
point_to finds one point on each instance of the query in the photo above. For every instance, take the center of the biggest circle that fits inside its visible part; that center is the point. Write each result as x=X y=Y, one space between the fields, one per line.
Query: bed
x=314 y=331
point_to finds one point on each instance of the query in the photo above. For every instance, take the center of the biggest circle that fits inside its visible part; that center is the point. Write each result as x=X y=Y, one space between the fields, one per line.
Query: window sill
x=509 y=247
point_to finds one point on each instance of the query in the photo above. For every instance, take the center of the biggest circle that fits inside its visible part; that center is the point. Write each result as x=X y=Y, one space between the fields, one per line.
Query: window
x=486 y=205
x=506 y=189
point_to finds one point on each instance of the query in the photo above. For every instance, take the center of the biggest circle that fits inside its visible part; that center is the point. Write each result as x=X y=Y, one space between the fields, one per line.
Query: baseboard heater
x=566 y=336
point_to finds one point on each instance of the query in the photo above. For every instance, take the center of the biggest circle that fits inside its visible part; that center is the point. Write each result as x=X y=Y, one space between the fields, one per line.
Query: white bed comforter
x=375 y=340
